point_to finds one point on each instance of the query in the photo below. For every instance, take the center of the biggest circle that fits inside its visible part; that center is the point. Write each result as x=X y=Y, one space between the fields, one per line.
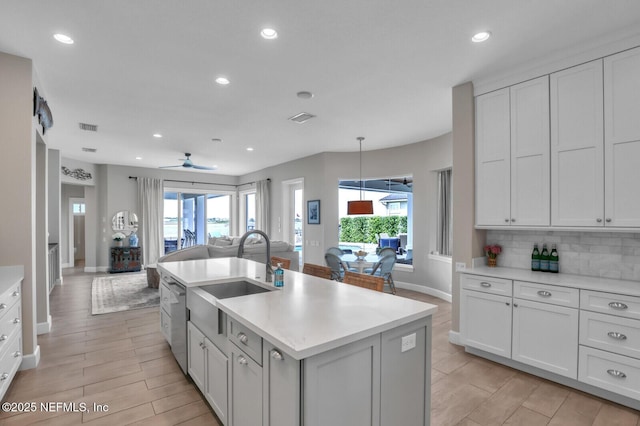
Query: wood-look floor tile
x=610 y=415
x=526 y=417
x=451 y=404
x=203 y=420
x=503 y=403
x=178 y=415
x=452 y=362
x=123 y=417
x=547 y=398
x=485 y=375
x=174 y=401
x=578 y=409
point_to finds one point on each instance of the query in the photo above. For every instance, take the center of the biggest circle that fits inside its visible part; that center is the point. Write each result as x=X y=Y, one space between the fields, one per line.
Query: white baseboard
x=31 y=361
x=426 y=290
x=454 y=337
x=67 y=265
x=44 y=327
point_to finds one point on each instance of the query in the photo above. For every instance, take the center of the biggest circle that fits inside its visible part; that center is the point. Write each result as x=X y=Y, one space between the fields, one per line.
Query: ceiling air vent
x=302 y=117
x=88 y=127
x=89 y=149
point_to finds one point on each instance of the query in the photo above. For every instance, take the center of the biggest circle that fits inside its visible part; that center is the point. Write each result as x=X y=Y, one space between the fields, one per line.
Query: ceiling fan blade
x=169 y=167
x=203 y=167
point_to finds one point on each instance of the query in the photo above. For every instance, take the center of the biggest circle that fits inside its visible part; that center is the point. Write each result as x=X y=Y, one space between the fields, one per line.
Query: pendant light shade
x=361 y=206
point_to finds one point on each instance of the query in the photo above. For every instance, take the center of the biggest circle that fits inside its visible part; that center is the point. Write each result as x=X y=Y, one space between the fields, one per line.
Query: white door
x=493 y=158
x=293 y=215
x=196 y=356
x=622 y=138
x=530 y=175
x=546 y=336
x=577 y=163
x=485 y=322
x=217 y=379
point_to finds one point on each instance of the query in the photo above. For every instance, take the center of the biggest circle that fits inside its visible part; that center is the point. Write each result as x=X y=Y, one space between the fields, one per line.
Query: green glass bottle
x=554 y=260
x=544 y=259
x=535 y=258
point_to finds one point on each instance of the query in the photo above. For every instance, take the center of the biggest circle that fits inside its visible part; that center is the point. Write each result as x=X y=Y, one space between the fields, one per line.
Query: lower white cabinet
x=613 y=372
x=208 y=367
x=281 y=374
x=245 y=389
x=545 y=336
x=485 y=322
x=10 y=329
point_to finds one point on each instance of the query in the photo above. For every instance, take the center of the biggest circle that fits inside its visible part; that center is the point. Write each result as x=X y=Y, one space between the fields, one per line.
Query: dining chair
x=336 y=265
x=339 y=252
x=317 y=270
x=286 y=263
x=384 y=252
x=366 y=281
x=383 y=269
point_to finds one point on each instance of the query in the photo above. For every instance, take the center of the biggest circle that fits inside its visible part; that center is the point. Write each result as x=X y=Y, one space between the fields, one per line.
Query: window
x=392 y=215
x=445 y=215
x=78 y=208
x=247 y=210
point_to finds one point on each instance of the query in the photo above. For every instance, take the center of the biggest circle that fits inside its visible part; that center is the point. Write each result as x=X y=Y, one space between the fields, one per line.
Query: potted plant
x=492 y=252
x=118 y=238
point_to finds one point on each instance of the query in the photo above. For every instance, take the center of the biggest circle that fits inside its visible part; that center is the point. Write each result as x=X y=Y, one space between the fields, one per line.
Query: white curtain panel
x=263 y=221
x=151 y=199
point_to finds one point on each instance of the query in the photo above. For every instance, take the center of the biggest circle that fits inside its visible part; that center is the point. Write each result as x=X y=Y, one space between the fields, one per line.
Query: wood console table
x=126 y=259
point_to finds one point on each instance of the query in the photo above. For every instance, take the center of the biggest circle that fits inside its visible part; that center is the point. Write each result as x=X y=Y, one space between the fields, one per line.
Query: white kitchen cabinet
x=622 y=138
x=512 y=158
x=10 y=325
x=545 y=336
x=245 y=389
x=577 y=155
x=208 y=367
x=493 y=159
x=485 y=321
x=281 y=374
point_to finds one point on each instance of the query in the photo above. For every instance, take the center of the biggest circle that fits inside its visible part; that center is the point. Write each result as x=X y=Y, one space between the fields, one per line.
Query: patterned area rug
x=122 y=292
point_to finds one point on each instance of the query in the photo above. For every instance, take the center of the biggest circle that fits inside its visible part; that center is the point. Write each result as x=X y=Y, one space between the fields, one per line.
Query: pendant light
x=361 y=206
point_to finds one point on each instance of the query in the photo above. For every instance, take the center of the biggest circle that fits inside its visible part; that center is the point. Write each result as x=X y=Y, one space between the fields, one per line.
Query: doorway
x=293 y=215
x=77 y=211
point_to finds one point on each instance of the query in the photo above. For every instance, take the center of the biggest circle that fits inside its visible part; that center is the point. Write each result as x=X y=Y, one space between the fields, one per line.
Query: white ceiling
x=378 y=68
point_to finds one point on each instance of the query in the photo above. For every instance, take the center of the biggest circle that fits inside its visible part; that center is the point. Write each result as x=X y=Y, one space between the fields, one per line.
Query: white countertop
x=309 y=315
x=10 y=275
x=631 y=288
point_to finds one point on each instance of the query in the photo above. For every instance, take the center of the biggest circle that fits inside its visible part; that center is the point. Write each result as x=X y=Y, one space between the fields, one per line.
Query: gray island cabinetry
x=315 y=352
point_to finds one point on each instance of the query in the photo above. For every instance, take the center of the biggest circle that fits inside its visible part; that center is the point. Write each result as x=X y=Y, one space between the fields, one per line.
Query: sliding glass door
x=190 y=218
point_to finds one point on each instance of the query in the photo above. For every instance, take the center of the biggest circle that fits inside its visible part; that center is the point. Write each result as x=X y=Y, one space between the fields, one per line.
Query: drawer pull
x=15 y=293
x=485 y=284
x=618 y=305
x=616 y=335
x=242 y=360
x=3 y=337
x=617 y=374
x=244 y=339
x=544 y=293
x=16 y=354
x=201 y=344
x=3 y=306
x=276 y=355
x=16 y=320
x=4 y=376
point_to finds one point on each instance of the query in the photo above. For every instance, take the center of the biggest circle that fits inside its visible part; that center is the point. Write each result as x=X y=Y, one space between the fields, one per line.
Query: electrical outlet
x=408 y=342
x=461 y=266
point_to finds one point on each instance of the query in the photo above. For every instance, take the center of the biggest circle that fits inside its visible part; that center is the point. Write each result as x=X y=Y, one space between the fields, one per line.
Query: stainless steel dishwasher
x=178 y=307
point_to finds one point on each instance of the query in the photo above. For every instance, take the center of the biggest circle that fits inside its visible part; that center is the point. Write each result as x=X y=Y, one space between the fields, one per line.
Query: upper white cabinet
x=622 y=138
x=577 y=166
x=512 y=155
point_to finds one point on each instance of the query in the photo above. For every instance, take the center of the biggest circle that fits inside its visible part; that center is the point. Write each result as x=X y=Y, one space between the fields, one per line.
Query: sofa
x=254 y=249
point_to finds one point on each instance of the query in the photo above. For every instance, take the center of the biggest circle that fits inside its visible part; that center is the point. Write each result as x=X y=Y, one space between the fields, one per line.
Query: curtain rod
x=204 y=183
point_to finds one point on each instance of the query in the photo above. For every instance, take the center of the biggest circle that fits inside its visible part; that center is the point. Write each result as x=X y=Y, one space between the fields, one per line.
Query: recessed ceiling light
x=481 y=36
x=157 y=135
x=138 y=158
x=304 y=95
x=216 y=140
x=222 y=80
x=269 y=33
x=63 y=38
x=249 y=149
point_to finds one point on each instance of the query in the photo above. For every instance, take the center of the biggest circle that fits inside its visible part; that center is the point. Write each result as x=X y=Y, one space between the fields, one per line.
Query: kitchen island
x=314 y=352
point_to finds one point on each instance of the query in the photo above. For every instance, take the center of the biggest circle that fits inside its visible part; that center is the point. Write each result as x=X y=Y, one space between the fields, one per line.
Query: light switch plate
x=461 y=266
x=408 y=342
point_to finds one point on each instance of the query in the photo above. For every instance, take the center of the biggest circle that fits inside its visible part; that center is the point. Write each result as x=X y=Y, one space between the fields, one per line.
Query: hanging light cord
x=360 y=138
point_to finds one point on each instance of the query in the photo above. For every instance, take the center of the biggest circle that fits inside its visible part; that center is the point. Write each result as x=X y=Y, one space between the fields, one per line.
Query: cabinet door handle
x=16 y=354
x=3 y=337
x=544 y=293
x=507 y=303
x=616 y=335
x=513 y=220
x=616 y=373
x=275 y=354
x=507 y=220
x=598 y=220
x=515 y=305
x=608 y=220
x=4 y=376
x=201 y=344
x=242 y=360
x=485 y=284
x=244 y=339
x=3 y=306
x=15 y=293
x=16 y=320
x=618 y=305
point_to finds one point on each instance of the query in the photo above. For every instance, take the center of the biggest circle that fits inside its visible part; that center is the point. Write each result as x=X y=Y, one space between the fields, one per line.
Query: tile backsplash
x=597 y=254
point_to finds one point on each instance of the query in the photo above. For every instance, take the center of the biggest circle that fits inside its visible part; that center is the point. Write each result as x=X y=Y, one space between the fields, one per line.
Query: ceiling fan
x=187 y=163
